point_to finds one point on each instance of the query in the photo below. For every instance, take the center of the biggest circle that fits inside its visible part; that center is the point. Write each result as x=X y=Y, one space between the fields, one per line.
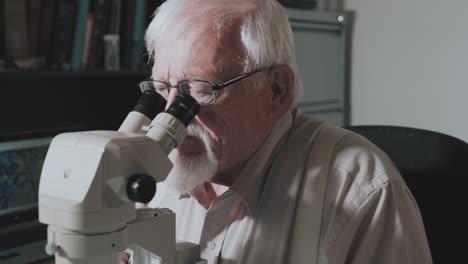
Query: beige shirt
x=369 y=214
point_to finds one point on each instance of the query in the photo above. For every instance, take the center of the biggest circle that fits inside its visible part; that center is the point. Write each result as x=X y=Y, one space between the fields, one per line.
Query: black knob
x=141 y=188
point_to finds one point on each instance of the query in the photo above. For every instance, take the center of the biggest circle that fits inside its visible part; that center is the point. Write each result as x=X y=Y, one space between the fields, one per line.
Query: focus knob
x=141 y=188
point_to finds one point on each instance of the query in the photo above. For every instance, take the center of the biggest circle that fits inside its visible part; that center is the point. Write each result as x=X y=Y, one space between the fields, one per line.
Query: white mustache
x=204 y=136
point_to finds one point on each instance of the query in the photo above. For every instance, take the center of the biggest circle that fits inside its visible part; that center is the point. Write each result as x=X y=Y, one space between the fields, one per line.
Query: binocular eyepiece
x=184 y=107
x=150 y=104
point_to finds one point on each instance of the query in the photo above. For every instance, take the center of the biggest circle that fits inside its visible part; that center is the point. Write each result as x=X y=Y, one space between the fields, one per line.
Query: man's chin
x=189 y=172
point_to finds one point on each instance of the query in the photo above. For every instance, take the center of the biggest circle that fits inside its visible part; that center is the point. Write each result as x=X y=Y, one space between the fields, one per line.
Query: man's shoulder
x=351 y=153
x=354 y=152
x=358 y=160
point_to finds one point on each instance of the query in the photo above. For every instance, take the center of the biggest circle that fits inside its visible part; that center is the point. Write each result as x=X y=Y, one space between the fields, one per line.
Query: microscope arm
x=160 y=241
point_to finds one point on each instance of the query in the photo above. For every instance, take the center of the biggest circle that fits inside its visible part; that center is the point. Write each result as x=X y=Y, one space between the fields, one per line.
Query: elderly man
x=250 y=174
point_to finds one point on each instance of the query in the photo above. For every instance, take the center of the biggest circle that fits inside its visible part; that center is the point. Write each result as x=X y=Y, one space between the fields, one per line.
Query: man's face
x=225 y=134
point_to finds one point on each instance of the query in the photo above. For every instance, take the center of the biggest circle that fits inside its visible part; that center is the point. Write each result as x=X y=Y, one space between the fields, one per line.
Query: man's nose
x=173 y=92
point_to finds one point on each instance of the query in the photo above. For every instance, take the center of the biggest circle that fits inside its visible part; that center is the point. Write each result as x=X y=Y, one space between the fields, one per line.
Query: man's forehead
x=180 y=61
x=204 y=56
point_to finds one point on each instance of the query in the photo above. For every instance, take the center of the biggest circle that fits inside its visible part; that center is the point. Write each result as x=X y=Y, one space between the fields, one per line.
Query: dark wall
x=46 y=103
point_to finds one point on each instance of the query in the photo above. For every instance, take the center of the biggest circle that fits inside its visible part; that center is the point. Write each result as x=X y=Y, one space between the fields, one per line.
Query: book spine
x=78 y=39
x=65 y=31
x=138 y=34
x=34 y=26
x=115 y=17
x=87 y=41
x=100 y=26
x=2 y=35
x=16 y=37
x=126 y=29
x=48 y=11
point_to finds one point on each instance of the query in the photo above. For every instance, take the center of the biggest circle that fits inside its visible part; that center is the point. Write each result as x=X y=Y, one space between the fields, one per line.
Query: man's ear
x=282 y=90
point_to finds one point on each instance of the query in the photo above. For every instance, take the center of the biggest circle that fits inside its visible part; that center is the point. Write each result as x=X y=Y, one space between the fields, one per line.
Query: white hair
x=265 y=30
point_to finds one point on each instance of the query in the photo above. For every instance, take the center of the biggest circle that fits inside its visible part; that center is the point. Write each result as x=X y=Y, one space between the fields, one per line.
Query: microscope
x=92 y=181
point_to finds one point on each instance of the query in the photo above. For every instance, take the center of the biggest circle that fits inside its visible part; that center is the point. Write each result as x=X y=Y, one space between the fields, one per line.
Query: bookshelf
x=70 y=64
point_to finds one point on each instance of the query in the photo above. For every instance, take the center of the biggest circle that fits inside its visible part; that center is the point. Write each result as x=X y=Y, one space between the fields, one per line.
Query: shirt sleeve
x=385 y=228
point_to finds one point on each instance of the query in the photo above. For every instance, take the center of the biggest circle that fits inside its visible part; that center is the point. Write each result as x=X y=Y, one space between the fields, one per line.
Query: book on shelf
x=101 y=12
x=87 y=40
x=138 y=34
x=112 y=38
x=2 y=37
x=34 y=27
x=46 y=30
x=115 y=17
x=16 y=33
x=126 y=28
x=79 y=35
x=67 y=11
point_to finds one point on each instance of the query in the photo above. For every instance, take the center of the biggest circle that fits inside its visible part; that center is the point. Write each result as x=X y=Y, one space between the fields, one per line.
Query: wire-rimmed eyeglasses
x=205 y=92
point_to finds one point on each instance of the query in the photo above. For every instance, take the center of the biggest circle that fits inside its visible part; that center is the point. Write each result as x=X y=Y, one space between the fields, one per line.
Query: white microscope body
x=90 y=182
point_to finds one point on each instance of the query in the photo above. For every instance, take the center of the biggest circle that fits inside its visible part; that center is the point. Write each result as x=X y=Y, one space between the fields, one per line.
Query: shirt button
x=211 y=244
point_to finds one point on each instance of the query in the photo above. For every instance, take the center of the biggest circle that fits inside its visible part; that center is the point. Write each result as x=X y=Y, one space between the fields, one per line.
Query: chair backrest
x=433 y=166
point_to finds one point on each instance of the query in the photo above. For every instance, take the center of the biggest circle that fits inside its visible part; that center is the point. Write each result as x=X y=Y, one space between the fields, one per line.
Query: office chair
x=433 y=165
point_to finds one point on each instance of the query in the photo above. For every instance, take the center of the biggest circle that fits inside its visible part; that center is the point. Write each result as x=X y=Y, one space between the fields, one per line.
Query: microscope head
x=85 y=174
x=89 y=178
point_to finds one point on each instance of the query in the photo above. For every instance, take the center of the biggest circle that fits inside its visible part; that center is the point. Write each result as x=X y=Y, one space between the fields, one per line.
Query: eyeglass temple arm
x=238 y=78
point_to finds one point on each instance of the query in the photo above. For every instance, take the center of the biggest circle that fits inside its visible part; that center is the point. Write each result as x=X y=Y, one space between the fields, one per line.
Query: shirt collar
x=249 y=182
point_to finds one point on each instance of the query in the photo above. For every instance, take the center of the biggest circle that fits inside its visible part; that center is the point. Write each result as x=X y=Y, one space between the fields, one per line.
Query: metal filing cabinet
x=322 y=42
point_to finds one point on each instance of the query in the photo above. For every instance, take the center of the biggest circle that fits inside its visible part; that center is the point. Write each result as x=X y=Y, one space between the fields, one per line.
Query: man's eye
x=201 y=87
x=198 y=93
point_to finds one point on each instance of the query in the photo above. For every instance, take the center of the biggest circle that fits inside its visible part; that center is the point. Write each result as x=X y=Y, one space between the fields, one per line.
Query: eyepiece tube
x=170 y=128
x=148 y=106
x=184 y=108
